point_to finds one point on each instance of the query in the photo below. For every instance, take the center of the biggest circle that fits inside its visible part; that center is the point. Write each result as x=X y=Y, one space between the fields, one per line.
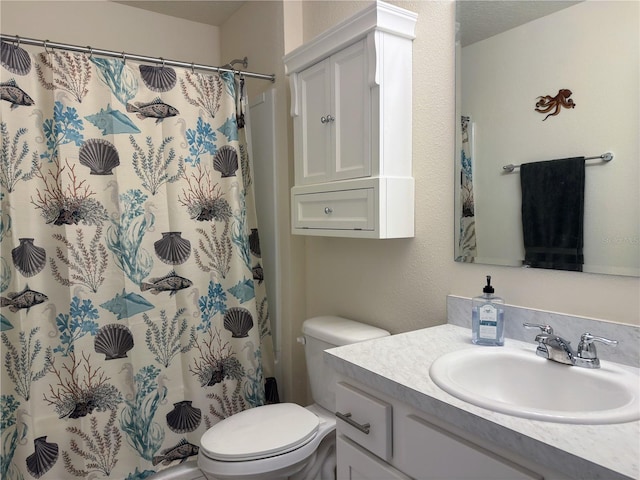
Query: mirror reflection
x=539 y=81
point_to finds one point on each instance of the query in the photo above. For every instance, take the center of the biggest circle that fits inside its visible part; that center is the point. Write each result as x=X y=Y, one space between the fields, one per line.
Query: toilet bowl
x=285 y=440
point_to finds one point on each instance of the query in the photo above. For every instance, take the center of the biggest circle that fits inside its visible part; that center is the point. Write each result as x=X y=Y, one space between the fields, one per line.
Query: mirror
x=511 y=55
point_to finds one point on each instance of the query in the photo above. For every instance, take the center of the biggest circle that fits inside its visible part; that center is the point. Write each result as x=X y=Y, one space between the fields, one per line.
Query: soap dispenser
x=487 y=321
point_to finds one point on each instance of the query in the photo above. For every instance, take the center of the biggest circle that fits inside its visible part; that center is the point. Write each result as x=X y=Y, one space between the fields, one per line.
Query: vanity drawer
x=338 y=210
x=364 y=419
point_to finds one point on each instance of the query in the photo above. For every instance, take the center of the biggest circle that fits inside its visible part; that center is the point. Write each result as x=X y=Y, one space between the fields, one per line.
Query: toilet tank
x=321 y=333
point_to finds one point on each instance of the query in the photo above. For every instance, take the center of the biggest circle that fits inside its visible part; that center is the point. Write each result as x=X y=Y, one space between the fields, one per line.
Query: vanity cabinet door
x=426 y=451
x=356 y=463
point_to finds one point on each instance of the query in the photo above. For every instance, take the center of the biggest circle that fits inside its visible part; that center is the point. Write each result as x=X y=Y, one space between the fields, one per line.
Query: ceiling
x=208 y=12
x=479 y=19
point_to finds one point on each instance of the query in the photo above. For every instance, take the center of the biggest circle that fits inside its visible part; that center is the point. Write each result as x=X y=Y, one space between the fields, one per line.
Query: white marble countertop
x=398 y=366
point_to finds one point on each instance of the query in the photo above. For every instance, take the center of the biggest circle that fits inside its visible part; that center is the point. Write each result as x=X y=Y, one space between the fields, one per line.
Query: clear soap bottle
x=487 y=322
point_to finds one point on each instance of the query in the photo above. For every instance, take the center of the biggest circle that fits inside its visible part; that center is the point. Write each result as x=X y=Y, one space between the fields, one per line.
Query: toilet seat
x=279 y=465
x=259 y=433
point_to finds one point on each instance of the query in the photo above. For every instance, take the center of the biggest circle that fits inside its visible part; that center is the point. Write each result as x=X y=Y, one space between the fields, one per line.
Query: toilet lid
x=260 y=432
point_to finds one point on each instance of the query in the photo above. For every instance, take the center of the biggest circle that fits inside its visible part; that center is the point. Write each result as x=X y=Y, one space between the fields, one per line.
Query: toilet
x=285 y=440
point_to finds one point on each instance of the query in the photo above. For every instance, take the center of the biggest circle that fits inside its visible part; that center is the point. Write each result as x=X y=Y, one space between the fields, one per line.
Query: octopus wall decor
x=547 y=103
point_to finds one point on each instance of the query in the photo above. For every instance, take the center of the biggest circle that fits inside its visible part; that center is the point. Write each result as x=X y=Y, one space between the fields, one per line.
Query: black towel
x=553 y=213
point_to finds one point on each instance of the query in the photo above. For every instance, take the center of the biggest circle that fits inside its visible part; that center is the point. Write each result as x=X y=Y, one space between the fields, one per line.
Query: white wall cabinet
x=417 y=445
x=351 y=91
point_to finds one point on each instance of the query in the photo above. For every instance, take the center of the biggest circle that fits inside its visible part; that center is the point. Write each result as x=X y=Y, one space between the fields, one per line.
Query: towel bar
x=605 y=157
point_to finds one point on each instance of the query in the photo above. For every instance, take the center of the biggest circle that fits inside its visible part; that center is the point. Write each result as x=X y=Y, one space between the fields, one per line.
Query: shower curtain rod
x=605 y=157
x=130 y=56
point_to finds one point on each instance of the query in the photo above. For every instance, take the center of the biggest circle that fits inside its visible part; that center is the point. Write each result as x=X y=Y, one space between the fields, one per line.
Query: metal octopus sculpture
x=547 y=103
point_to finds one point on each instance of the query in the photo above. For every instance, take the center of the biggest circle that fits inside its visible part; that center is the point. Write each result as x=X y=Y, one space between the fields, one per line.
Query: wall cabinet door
x=334 y=125
x=355 y=463
x=313 y=139
x=351 y=127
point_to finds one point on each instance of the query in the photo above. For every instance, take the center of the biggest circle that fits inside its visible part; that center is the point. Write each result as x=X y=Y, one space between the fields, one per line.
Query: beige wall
x=402 y=284
x=396 y=284
x=111 y=26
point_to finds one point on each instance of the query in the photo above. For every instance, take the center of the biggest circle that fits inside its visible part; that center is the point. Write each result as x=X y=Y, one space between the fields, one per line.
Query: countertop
x=398 y=366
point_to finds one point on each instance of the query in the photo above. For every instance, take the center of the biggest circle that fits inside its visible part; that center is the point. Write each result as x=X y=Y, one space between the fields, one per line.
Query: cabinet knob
x=327 y=119
x=328 y=210
x=323 y=120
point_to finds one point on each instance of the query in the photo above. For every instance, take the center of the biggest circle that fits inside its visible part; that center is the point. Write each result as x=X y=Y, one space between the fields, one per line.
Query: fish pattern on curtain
x=467 y=250
x=134 y=312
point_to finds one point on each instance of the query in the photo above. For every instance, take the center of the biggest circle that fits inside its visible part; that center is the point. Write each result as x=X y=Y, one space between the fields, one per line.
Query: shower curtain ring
x=192 y=68
x=124 y=58
x=90 y=51
x=46 y=46
x=17 y=41
x=163 y=63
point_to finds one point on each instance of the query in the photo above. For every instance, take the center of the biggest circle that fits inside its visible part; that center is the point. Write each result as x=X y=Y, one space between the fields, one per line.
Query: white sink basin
x=517 y=382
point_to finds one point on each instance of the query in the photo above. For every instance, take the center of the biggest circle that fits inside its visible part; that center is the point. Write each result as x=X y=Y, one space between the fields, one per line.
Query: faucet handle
x=548 y=329
x=586 y=348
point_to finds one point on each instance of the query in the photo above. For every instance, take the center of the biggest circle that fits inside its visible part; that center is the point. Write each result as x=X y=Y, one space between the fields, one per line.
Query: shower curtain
x=466 y=251
x=134 y=313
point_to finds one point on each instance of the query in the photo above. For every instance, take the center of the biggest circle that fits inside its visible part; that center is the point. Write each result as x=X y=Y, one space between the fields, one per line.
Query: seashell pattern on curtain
x=134 y=312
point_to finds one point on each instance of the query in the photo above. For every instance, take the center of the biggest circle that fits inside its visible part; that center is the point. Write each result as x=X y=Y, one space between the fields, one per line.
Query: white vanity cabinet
x=403 y=443
x=351 y=90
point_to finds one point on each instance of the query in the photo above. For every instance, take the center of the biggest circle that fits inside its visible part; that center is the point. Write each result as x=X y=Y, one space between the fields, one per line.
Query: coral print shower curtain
x=467 y=250
x=133 y=311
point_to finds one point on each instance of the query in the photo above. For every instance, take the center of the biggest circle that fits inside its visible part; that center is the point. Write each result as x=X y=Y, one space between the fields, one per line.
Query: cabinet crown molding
x=378 y=16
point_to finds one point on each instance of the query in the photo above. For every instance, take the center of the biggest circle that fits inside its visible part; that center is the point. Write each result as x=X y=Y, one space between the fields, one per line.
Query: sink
x=517 y=382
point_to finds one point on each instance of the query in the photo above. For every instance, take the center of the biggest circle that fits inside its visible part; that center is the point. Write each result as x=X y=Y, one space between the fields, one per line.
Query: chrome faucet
x=556 y=348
